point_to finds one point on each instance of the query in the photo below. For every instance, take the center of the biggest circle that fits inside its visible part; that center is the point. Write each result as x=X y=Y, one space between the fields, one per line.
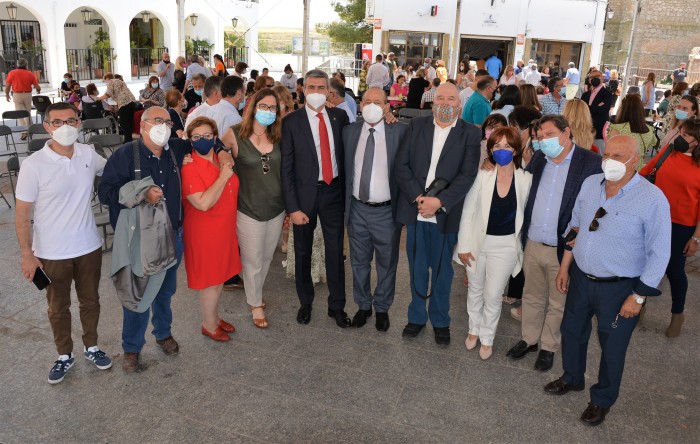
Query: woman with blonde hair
x=578 y=115
x=649 y=93
x=508 y=77
x=613 y=85
x=441 y=71
x=285 y=98
x=416 y=87
x=528 y=96
x=179 y=74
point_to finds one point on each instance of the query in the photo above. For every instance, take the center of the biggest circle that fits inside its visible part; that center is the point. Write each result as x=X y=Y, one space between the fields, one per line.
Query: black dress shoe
x=341 y=318
x=520 y=349
x=442 y=335
x=559 y=387
x=382 y=322
x=412 y=330
x=360 y=318
x=304 y=314
x=594 y=414
x=545 y=360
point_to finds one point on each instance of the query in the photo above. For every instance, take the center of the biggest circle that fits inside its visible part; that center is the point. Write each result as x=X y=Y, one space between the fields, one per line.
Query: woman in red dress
x=210 y=194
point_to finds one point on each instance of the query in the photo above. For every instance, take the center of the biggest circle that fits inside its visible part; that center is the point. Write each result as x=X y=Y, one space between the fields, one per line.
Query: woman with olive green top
x=255 y=148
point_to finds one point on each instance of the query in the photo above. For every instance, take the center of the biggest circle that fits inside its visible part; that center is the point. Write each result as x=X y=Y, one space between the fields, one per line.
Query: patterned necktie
x=367 y=161
x=326 y=165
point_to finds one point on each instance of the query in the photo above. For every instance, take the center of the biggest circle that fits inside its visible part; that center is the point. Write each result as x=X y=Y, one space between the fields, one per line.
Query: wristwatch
x=639 y=299
x=696 y=239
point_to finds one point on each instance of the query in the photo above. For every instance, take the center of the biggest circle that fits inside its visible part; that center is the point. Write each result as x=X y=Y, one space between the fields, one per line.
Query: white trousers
x=257 y=241
x=487 y=280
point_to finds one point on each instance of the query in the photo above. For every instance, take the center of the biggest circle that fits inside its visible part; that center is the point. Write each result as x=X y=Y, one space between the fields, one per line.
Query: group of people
x=500 y=181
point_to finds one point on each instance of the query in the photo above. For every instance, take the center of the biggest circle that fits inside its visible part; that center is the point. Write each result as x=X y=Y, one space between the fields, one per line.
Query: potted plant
x=101 y=49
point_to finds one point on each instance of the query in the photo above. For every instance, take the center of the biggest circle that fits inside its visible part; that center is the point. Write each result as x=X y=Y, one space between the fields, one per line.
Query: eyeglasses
x=598 y=215
x=265 y=160
x=196 y=137
x=264 y=107
x=270 y=85
x=160 y=121
x=59 y=123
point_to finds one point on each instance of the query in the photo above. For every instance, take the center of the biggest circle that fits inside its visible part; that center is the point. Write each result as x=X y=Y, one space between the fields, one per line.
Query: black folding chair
x=40 y=104
x=6 y=131
x=16 y=116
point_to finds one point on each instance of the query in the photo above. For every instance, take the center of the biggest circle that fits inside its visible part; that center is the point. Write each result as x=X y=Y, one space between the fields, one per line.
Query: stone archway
x=88 y=39
x=21 y=37
x=147 y=36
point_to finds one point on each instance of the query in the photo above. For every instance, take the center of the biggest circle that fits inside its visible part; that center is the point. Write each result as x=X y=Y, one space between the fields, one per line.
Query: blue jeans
x=675 y=271
x=135 y=324
x=433 y=251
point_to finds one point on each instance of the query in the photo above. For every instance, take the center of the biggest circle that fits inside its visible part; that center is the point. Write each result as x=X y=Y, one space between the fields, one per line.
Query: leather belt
x=21 y=92
x=376 y=204
x=334 y=181
x=550 y=246
x=606 y=279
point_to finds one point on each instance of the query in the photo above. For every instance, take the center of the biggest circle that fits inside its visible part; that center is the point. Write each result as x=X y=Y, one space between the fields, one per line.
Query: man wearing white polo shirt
x=58 y=181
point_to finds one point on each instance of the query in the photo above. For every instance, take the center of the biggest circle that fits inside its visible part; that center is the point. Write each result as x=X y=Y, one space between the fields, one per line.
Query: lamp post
x=12 y=11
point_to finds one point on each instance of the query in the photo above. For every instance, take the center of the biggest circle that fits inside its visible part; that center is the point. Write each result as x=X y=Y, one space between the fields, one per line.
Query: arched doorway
x=199 y=37
x=89 y=52
x=20 y=37
x=147 y=39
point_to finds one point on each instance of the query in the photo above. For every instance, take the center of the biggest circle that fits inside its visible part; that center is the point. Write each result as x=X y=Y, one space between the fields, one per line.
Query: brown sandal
x=260 y=322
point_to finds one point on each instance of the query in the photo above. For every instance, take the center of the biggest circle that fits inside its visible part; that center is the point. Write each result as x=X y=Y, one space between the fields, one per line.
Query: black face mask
x=680 y=144
x=595 y=81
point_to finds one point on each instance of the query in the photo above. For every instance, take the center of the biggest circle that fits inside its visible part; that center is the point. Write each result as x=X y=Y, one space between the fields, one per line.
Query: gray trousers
x=372 y=232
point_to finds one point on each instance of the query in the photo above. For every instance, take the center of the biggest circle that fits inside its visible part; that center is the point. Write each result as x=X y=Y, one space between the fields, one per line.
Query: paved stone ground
x=317 y=383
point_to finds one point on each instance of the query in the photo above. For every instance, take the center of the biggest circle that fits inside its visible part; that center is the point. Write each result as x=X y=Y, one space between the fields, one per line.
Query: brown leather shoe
x=130 y=363
x=594 y=414
x=559 y=387
x=169 y=346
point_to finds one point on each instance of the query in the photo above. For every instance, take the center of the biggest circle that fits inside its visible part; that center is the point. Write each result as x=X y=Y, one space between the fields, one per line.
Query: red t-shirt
x=21 y=80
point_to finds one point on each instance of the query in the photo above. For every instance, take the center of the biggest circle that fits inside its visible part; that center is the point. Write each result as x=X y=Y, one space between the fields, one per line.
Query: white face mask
x=159 y=134
x=372 y=113
x=316 y=100
x=614 y=170
x=66 y=135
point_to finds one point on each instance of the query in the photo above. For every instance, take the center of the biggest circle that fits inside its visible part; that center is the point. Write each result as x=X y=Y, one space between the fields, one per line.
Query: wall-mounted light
x=12 y=11
x=193 y=19
x=611 y=14
x=87 y=14
x=146 y=16
x=234 y=22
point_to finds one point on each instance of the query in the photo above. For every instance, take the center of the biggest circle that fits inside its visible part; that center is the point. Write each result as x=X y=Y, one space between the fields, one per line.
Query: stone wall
x=666 y=33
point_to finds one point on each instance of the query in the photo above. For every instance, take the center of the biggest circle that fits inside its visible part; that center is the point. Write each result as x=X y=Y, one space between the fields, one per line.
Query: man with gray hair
x=212 y=97
x=572 y=80
x=20 y=81
x=195 y=68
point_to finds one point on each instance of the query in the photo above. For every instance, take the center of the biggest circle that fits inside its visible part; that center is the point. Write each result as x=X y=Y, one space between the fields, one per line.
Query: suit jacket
x=300 y=162
x=600 y=109
x=351 y=138
x=458 y=164
x=477 y=208
x=584 y=163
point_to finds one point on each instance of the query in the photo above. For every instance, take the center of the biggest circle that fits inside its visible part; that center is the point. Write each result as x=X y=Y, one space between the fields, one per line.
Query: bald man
x=618 y=259
x=166 y=72
x=439 y=146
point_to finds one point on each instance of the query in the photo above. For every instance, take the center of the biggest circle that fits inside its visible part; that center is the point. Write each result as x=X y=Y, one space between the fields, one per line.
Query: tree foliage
x=352 y=27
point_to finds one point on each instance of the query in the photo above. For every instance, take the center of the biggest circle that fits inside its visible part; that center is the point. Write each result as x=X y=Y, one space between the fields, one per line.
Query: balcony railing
x=35 y=63
x=142 y=60
x=88 y=64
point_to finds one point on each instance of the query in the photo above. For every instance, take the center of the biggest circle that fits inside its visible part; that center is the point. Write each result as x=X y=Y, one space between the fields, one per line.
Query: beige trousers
x=23 y=101
x=543 y=305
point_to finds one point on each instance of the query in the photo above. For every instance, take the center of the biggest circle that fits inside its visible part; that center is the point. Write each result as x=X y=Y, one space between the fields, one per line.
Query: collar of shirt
x=438 y=128
x=312 y=114
x=53 y=155
x=378 y=128
x=624 y=190
x=566 y=159
x=225 y=106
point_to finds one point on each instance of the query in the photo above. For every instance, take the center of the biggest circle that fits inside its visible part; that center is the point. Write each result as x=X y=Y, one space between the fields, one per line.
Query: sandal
x=260 y=322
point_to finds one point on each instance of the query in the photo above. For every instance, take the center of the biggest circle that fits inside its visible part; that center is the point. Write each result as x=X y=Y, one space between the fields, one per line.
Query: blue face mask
x=154 y=85
x=681 y=115
x=203 y=146
x=265 y=118
x=66 y=79
x=503 y=157
x=562 y=91
x=497 y=97
x=242 y=105
x=551 y=147
x=199 y=92
x=535 y=145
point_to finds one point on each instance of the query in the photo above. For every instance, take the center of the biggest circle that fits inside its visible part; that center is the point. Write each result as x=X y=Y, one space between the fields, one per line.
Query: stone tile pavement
x=317 y=383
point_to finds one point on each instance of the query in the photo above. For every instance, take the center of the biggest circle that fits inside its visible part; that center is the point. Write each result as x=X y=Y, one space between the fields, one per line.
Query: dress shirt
x=196 y=68
x=350 y=101
x=550 y=105
x=225 y=115
x=533 y=77
x=313 y=122
x=166 y=81
x=594 y=92
x=632 y=240
x=430 y=73
x=439 y=138
x=464 y=95
x=202 y=110
x=545 y=211
x=344 y=106
x=573 y=75
x=379 y=190
x=428 y=96
x=377 y=76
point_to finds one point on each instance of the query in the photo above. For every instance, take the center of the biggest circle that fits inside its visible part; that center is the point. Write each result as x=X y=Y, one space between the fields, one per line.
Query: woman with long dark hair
x=630 y=121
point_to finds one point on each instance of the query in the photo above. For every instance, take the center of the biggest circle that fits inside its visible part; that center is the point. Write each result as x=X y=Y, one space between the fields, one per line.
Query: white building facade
x=551 y=32
x=57 y=38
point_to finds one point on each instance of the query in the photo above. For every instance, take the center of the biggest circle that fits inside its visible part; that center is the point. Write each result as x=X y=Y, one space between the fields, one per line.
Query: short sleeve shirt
x=21 y=80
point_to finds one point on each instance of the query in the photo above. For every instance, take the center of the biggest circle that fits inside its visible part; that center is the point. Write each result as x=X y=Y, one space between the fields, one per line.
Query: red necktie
x=326 y=165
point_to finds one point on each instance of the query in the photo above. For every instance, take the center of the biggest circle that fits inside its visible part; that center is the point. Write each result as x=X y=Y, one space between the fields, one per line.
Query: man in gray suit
x=370 y=198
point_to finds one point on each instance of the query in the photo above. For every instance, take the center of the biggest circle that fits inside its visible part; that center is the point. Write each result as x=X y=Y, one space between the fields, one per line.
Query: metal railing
x=204 y=51
x=88 y=64
x=235 y=54
x=143 y=59
x=35 y=60
x=663 y=76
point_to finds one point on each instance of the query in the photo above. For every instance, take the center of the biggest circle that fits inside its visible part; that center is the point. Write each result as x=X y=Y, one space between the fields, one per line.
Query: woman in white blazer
x=489 y=243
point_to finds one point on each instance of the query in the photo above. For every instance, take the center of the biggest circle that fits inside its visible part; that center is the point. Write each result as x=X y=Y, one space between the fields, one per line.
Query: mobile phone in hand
x=41 y=280
x=571 y=235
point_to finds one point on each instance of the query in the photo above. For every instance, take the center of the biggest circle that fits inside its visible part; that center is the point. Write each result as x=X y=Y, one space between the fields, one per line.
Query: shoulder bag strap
x=137 y=160
x=179 y=179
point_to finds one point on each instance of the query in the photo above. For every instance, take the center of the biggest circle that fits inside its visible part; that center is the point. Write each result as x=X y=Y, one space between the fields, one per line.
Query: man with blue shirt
x=558 y=169
x=619 y=257
x=494 y=66
x=478 y=107
x=572 y=80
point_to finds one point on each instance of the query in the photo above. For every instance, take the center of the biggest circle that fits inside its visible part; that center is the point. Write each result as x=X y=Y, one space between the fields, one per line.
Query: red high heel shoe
x=217 y=335
x=225 y=326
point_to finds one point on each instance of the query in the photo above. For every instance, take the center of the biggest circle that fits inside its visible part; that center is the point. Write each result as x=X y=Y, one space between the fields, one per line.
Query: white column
x=122 y=48
x=597 y=38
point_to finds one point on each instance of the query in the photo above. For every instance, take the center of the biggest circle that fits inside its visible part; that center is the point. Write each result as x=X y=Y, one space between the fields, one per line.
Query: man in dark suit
x=559 y=169
x=599 y=101
x=313 y=186
x=370 y=206
x=445 y=147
